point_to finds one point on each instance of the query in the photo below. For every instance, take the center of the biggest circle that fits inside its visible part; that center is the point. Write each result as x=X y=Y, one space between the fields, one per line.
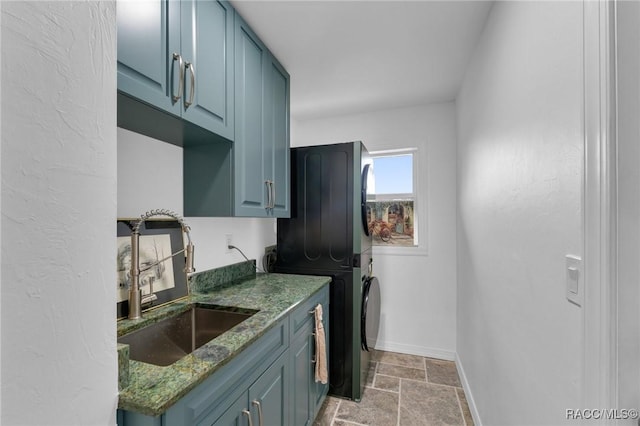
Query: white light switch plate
x=574 y=280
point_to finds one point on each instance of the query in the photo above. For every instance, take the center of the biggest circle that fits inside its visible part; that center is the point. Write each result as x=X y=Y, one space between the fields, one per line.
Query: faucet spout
x=135 y=293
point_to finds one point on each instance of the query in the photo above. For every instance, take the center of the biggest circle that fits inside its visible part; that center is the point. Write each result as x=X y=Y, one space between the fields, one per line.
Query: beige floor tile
x=466 y=413
x=371 y=373
x=327 y=412
x=442 y=372
x=400 y=371
x=377 y=408
x=388 y=383
x=405 y=360
x=429 y=405
x=398 y=394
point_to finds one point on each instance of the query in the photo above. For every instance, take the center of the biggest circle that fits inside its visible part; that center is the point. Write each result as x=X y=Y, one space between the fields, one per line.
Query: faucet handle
x=147 y=299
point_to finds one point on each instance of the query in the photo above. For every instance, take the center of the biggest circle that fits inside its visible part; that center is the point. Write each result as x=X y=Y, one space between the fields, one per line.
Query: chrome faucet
x=135 y=293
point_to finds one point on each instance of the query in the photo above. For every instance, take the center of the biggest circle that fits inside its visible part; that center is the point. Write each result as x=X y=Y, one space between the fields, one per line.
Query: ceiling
x=347 y=57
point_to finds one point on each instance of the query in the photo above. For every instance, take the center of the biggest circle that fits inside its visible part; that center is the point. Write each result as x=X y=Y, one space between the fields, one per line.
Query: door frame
x=599 y=201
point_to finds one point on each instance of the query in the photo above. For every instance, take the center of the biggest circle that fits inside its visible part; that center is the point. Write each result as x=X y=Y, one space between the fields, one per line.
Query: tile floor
x=403 y=390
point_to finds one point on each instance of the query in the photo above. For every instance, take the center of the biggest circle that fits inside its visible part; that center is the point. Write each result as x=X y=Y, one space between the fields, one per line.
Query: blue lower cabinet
x=307 y=394
x=236 y=415
x=269 y=395
x=129 y=418
x=271 y=383
x=265 y=403
x=301 y=352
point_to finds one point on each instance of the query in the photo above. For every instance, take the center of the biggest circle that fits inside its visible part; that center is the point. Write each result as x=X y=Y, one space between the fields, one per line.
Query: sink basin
x=169 y=340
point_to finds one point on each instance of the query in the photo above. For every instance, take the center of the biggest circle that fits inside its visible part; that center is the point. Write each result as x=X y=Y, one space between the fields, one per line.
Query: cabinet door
x=270 y=394
x=148 y=36
x=250 y=185
x=277 y=134
x=207 y=49
x=301 y=367
x=307 y=394
x=236 y=414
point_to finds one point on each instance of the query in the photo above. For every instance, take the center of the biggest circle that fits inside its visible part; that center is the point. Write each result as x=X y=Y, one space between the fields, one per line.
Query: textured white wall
x=418 y=292
x=628 y=110
x=520 y=158
x=148 y=182
x=58 y=192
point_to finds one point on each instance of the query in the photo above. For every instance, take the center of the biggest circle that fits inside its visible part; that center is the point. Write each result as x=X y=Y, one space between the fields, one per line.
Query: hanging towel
x=321 y=348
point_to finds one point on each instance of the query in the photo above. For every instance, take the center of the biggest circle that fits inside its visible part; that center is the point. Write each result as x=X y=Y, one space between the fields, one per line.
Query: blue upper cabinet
x=251 y=186
x=277 y=152
x=261 y=150
x=148 y=34
x=177 y=57
x=207 y=49
x=194 y=74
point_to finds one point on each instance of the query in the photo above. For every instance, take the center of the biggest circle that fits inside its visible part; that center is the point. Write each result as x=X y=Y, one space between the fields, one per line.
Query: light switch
x=574 y=284
x=572 y=279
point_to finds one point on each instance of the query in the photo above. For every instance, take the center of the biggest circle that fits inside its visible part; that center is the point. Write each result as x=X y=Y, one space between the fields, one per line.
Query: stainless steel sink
x=169 y=340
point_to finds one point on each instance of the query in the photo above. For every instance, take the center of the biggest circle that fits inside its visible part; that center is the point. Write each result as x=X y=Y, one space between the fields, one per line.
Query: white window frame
x=419 y=204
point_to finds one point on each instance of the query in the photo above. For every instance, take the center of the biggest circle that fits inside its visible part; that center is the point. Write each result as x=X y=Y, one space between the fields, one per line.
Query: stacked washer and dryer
x=328 y=234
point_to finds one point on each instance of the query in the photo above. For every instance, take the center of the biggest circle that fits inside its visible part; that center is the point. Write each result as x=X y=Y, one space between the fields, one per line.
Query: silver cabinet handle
x=189 y=66
x=268 y=184
x=177 y=57
x=273 y=194
x=257 y=404
x=248 y=414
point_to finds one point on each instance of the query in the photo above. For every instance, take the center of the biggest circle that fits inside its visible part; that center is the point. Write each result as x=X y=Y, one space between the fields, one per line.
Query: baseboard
x=416 y=350
x=467 y=392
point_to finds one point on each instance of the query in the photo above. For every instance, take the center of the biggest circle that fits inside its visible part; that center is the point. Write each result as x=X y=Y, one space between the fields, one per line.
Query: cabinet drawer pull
x=176 y=56
x=189 y=66
x=257 y=404
x=248 y=414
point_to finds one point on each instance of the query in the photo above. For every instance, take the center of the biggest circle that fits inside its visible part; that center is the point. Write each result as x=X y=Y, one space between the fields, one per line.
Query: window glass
x=392 y=202
x=394 y=174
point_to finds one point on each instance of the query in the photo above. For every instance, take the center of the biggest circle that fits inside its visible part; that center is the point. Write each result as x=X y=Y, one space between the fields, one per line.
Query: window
x=392 y=199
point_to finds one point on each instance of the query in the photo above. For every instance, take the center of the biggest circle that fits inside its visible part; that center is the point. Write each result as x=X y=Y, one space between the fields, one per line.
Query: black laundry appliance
x=327 y=234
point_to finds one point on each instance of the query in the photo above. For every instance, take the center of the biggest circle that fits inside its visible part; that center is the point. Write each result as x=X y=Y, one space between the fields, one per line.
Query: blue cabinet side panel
x=128 y=418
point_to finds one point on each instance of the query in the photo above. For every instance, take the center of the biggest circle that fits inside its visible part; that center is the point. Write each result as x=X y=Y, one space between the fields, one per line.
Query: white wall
x=418 y=292
x=628 y=110
x=150 y=177
x=520 y=157
x=59 y=362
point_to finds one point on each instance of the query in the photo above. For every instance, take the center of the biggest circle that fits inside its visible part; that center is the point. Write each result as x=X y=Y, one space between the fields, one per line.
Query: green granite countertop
x=151 y=389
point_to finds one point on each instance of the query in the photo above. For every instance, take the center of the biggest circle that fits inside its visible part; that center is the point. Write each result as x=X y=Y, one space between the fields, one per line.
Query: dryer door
x=370 y=319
